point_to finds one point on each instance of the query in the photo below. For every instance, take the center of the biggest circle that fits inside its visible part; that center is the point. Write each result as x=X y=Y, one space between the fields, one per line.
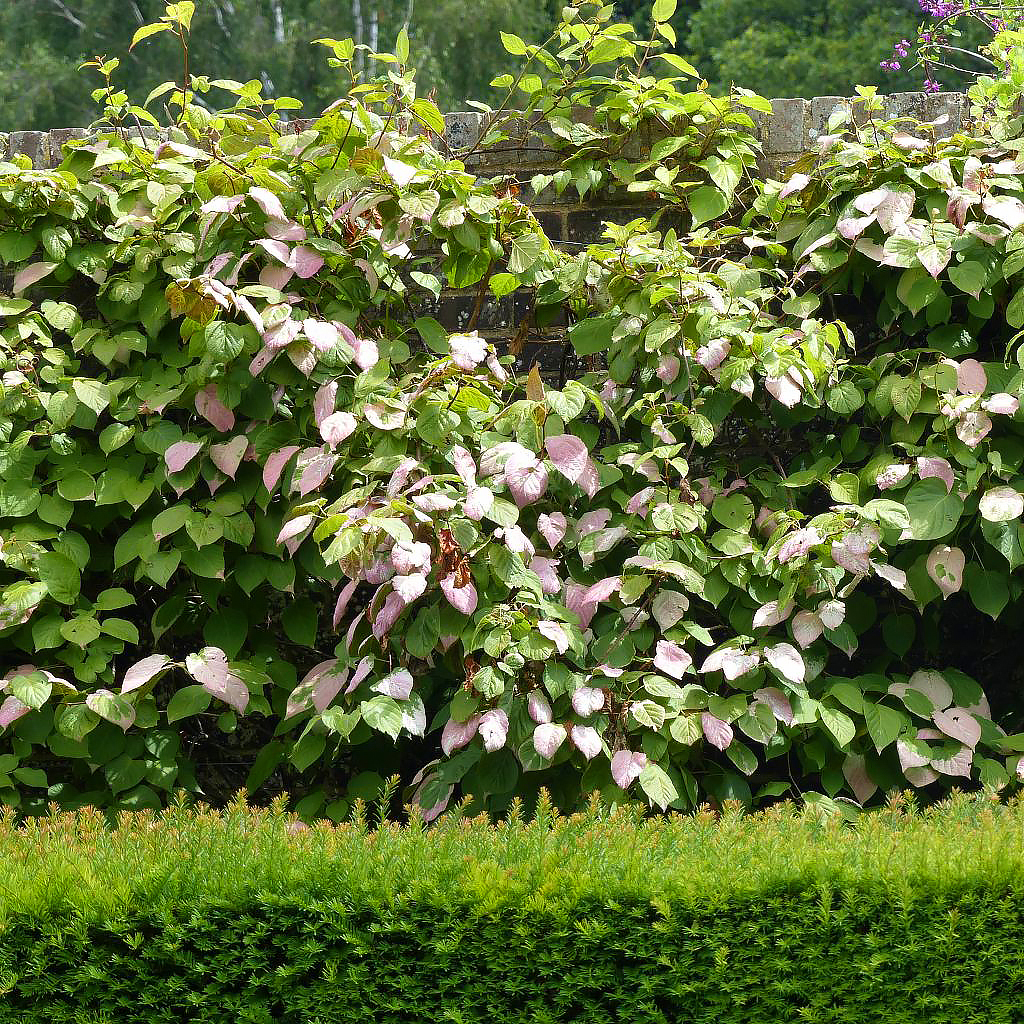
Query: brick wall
x=790 y=131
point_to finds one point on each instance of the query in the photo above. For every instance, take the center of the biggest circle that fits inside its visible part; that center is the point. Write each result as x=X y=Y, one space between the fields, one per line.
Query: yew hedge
x=262 y=524
x=751 y=919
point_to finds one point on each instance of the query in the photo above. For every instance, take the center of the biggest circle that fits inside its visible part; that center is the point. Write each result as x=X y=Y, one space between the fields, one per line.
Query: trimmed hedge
x=784 y=916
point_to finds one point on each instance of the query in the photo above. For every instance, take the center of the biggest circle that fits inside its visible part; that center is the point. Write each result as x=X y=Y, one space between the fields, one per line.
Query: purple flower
x=930 y=85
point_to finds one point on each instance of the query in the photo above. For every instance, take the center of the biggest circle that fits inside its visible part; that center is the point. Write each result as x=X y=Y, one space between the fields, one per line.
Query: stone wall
x=790 y=131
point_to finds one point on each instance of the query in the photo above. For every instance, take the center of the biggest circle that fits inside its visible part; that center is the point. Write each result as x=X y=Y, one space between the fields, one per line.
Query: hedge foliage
x=775 y=917
x=260 y=513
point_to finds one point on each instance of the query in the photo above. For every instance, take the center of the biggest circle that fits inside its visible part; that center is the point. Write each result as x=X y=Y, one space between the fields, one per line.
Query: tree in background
x=453 y=42
x=776 y=47
x=801 y=47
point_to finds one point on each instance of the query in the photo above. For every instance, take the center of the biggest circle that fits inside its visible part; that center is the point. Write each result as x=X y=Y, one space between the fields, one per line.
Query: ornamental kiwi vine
x=255 y=499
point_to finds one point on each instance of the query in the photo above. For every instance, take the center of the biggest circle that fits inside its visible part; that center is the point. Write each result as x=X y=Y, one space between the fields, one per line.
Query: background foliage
x=782 y=48
x=752 y=919
x=265 y=523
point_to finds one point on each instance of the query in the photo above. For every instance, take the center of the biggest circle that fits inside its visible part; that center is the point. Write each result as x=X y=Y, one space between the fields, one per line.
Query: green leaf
x=33 y=689
x=383 y=714
x=524 y=252
x=513 y=44
x=706 y=203
x=300 y=622
x=188 y=701
x=660 y=790
x=592 y=335
x=933 y=513
x=61 y=575
x=906 y=396
x=884 y=724
x=733 y=511
x=663 y=10
x=988 y=588
x=148 y=30
x=838 y=724
x=225 y=341
x=81 y=631
x=92 y=393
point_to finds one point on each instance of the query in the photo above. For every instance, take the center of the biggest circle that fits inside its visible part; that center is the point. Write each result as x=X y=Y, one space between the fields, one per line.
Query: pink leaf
x=668 y=608
x=935 y=466
x=539 y=707
x=294 y=527
x=384 y=417
x=111 y=707
x=305 y=262
x=796 y=183
x=286 y=230
x=945 y=565
x=547 y=738
x=180 y=454
x=276 y=277
x=586 y=740
x=717 y=732
x=668 y=369
x=959 y=765
x=775 y=699
x=462 y=599
x=1007 y=209
x=555 y=632
x=891 y=476
x=212 y=409
x=268 y=202
x=547 y=570
x=784 y=389
x=568 y=455
x=275 y=466
x=312 y=468
x=410 y=587
x=587 y=700
x=527 y=484
x=468 y=350
x=414 y=557
x=712 y=355
x=211 y=670
x=627 y=767
x=366 y=353
x=456 y=735
x=933 y=686
x=388 y=615
x=11 y=710
x=397 y=684
x=281 y=252
x=30 y=274
x=971 y=378
x=324 y=401
x=1001 y=504
x=771 y=614
x=973 y=428
x=807 y=627
x=732 y=662
x=228 y=456
x=552 y=527
x=856 y=774
x=463 y=463
x=344 y=596
x=798 y=543
x=602 y=590
x=1001 y=404
x=143 y=671
x=337 y=427
x=787 y=661
x=671 y=659
x=222 y=204
x=324 y=336
x=493 y=729
x=959 y=724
